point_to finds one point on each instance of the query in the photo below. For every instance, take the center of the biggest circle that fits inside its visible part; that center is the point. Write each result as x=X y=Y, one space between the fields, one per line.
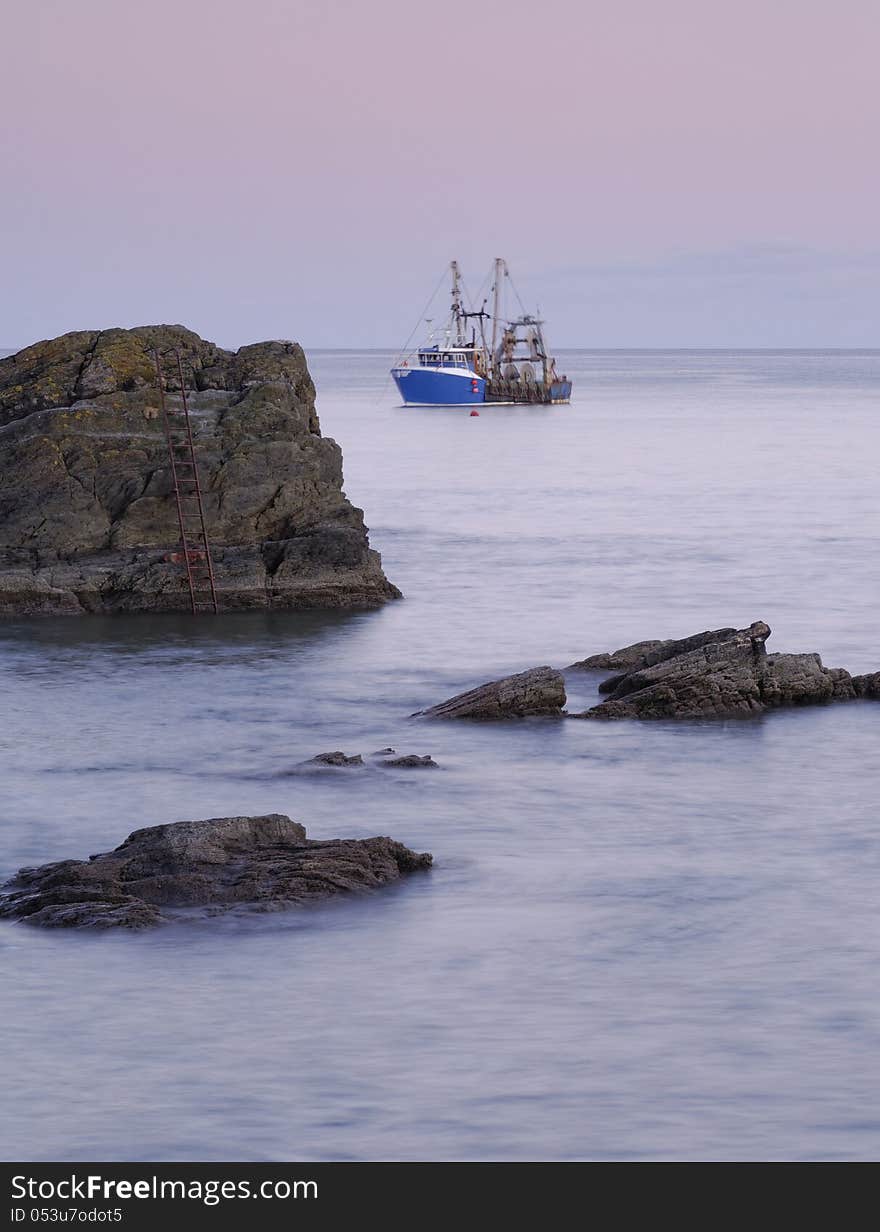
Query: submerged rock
x=88 y=519
x=265 y=863
x=382 y=757
x=409 y=761
x=722 y=673
x=335 y=759
x=539 y=691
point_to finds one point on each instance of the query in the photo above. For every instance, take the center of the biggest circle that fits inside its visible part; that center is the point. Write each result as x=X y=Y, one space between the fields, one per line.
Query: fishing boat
x=480 y=357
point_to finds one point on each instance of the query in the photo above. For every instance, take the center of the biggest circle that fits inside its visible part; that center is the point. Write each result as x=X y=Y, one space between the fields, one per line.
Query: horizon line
x=6 y=351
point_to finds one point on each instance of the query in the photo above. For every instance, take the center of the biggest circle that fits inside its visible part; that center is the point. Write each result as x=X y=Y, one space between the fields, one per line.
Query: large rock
x=541 y=690
x=723 y=673
x=265 y=863
x=88 y=521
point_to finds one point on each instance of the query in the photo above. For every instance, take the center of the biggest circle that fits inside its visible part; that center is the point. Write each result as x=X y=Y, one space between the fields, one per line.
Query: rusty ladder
x=195 y=550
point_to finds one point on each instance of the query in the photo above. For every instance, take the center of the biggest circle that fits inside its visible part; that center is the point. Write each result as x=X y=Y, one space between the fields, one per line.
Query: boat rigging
x=510 y=367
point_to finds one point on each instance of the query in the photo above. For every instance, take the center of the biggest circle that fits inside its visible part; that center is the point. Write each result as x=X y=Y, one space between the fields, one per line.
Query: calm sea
x=638 y=941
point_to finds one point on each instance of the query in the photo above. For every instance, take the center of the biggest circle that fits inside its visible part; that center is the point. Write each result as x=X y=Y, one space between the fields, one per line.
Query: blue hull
x=432 y=387
x=560 y=391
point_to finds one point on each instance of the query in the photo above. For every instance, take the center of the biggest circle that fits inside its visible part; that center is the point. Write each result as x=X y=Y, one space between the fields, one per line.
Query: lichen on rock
x=88 y=520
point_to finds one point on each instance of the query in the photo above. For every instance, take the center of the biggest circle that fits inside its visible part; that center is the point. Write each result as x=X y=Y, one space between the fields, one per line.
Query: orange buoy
x=473 y=413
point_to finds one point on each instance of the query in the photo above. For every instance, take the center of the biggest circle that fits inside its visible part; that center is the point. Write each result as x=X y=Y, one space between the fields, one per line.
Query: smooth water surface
x=650 y=941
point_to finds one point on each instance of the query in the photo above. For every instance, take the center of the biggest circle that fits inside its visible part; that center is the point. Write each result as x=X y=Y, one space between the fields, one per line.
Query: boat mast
x=457 y=315
x=496 y=302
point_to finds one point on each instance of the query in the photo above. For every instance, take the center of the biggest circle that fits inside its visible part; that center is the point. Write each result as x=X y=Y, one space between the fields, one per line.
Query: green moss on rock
x=88 y=518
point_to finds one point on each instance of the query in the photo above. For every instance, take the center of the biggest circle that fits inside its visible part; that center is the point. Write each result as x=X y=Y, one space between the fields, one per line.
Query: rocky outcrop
x=867 y=686
x=722 y=673
x=163 y=872
x=539 y=691
x=88 y=521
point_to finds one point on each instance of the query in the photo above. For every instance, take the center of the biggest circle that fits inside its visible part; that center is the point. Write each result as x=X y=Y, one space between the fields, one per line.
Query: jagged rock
x=337 y=758
x=616 y=660
x=88 y=521
x=659 y=652
x=265 y=863
x=410 y=761
x=541 y=690
x=723 y=673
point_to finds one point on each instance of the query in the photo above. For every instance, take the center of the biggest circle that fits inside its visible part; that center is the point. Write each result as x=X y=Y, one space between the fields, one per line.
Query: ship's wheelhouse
x=437 y=357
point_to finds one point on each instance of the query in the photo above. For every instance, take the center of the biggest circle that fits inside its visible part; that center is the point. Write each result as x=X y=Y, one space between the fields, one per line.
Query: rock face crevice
x=88 y=521
x=262 y=863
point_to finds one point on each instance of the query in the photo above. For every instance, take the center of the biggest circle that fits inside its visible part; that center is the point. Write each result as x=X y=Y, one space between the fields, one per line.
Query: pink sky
x=685 y=172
